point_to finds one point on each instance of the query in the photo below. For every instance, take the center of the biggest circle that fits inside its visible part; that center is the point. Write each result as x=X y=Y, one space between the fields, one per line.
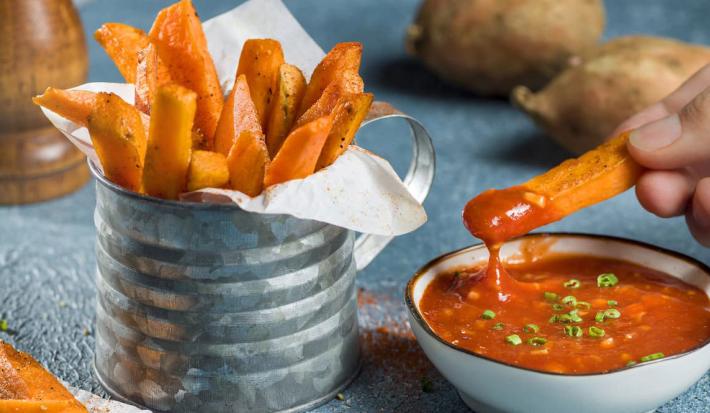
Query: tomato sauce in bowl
x=569 y=314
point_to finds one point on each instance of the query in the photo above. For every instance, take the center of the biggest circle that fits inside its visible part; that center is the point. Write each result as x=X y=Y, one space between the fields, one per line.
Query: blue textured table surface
x=47 y=250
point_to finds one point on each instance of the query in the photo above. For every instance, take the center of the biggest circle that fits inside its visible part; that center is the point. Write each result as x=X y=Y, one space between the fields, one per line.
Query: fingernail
x=658 y=134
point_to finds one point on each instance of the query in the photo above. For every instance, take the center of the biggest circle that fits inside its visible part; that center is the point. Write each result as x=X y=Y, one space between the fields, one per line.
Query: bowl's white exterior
x=489 y=386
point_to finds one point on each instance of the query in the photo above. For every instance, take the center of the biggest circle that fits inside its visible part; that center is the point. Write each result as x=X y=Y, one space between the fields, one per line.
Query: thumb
x=675 y=141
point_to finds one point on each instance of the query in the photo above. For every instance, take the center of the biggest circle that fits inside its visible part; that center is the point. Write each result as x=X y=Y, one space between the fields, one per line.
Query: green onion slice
x=498 y=326
x=555 y=318
x=596 y=332
x=651 y=357
x=607 y=280
x=631 y=363
x=537 y=341
x=531 y=328
x=513 y=339
x=3 y=325
x=612 y=303
x=574 y=331
x=572 y=284
x=583 y=305
x=612 y=313
x=599 y=317
x=558 y=307
x=488 y=315
x=574 y=317
x=550 y=297
x=569 y=300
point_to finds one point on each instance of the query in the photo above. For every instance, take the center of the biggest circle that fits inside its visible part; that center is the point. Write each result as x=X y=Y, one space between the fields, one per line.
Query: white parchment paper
x=96 y=404
x=360 y=191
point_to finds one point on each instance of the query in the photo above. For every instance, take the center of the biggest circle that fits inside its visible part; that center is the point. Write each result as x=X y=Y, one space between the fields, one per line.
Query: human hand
x=672 y=139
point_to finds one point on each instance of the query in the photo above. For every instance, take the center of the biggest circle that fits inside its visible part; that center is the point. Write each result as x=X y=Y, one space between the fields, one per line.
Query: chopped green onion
x=564 y=318
x=651 y=357
x=607 y=280
x=574 y=331
x=553 y=319
x=612 y=303
x=583 y=305
x=572 y=284
x=631 y=363
x=612 y=313
x=537 y=341
x=596 y=332
x=599 y=317
x=550 y=297
x=3 y=325
x=513 y=339
x=558 y=307
x=569 y=300
x=488 y=315
x=498 y=326
x=531 y=328
x=574 y=317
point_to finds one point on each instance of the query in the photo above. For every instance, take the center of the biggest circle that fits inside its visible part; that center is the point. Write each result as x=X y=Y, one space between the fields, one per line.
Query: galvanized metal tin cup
x=209 y=308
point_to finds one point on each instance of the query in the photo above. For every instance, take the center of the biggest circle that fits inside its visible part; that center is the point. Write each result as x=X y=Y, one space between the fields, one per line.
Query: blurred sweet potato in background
x=491 y=46
x=586 y=102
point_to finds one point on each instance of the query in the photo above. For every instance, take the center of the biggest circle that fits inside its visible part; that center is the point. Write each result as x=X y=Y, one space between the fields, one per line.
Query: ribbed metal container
x=208 y=308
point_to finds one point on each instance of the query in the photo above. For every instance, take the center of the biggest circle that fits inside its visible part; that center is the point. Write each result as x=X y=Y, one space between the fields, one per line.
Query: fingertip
x=664 y=193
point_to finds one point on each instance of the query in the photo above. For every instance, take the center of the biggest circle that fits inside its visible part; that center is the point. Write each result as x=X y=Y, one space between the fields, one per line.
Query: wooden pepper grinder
x=41 y=44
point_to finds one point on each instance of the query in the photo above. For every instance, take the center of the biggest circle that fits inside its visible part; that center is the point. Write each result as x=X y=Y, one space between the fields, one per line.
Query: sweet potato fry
x=182 y=47
x=597 y=175
x=344 y=83
x=118 y=136
x=74 y=105
x=260 y=62
x=122 y=44
x=207 y=170
x=248 y=160
x=498 y=215
x=290 y=87
x=150 y=73
x=299 y=153
x=349 y=113
x=169 y=142
x=238 y=115
x=21 y=370
x=45 y=406
x=342 y=57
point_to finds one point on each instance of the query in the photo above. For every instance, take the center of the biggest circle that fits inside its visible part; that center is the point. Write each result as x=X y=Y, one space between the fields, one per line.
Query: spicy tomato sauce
x=649 y=314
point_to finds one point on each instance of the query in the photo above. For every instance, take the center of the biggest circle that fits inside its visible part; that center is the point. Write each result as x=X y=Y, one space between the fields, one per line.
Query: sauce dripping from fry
x=495 y=216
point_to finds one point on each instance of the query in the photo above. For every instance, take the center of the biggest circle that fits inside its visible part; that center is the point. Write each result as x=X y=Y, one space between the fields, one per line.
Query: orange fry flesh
x=167 y=157
x=299 y=154
x=260 y=62
x=181 y=45
x=207 y=170
x=25 y=386
x=349 y=114
x=118 y=136
x=342 y=57
x=150 y=73
x=248 y=160
x=74 y=105
x=122 y=44
x=344 y=83
x=238 y=115
x=290 y=87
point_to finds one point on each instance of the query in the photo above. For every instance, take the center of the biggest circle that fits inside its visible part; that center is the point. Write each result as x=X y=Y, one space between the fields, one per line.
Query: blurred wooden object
x=42 y=44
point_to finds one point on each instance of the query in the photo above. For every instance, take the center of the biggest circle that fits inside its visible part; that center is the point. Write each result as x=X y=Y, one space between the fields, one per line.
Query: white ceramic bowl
x=489 y=386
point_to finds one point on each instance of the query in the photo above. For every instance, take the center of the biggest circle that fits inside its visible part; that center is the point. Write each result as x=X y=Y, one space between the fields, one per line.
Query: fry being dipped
x=496 y=216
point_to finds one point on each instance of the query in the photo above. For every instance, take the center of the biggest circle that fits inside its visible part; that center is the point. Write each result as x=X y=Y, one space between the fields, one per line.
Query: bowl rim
x=419 y=319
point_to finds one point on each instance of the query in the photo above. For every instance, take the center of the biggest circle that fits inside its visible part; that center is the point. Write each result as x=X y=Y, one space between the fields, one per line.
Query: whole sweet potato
x=585 y=103
x=491 y=46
